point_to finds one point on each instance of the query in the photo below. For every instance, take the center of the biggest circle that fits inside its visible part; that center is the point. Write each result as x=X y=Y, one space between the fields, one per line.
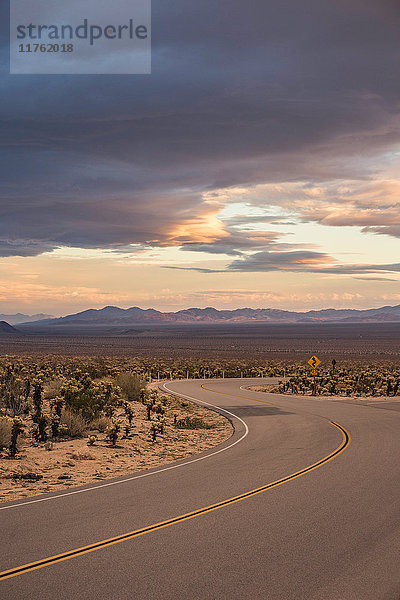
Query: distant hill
x=112 y=316
x=21 y=318
x=7 y=329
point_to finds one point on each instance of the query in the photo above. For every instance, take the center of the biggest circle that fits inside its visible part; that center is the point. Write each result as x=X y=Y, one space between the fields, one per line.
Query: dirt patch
x=42 y=468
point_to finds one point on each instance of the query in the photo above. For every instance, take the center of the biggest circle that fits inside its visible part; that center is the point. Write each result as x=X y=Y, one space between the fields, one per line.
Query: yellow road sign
x=314 y=372
x=314 y=362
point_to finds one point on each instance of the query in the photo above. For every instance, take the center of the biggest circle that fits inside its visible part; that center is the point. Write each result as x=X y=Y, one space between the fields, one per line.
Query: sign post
x=314 y=362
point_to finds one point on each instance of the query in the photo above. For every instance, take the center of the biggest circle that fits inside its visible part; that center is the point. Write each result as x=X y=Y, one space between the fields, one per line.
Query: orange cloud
x=204 y=228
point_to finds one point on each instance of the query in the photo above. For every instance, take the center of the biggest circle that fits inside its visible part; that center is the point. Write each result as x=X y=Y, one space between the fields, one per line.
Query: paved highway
x=302 y=503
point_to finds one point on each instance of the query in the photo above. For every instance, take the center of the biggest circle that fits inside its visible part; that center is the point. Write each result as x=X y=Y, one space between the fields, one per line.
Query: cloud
x=235 y=243
x=256 y=94
x=376 y=279
x=372 y=205
x=393 y=230
x=305 y=261
x=24 y=247
x=300 y=261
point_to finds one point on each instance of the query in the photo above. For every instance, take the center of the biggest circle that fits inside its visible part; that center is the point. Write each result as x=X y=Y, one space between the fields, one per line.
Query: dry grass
x=76 y=424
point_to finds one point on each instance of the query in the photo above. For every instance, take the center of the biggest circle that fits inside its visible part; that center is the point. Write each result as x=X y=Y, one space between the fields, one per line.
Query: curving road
x=301 y=503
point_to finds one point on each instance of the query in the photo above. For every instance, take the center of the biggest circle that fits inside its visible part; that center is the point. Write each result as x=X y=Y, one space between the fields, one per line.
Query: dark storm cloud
x=240 y=93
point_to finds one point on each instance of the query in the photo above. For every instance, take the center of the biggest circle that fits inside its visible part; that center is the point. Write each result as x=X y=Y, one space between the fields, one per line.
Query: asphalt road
x=330 y=532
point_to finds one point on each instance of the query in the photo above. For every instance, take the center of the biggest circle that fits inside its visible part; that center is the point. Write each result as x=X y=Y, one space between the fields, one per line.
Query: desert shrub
x=101 y=424
x=14 y=390
x=53 y=388
x=90 y=398
x=130 y=385
x=75 y=423
x=192 y=423
x=98 y=368
x=5 y=432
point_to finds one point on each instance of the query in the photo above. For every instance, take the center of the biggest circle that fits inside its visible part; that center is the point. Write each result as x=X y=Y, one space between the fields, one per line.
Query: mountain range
x=21 y=318
x=112 y=316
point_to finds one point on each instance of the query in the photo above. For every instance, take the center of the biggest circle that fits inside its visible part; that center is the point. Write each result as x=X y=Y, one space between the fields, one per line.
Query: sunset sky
x=258 y=165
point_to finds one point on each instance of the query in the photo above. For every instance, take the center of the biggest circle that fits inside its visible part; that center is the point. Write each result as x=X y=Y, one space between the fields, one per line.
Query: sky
x=257 y=166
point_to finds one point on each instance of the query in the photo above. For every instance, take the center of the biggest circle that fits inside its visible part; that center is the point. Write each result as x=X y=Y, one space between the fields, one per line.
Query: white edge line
x=103 y=485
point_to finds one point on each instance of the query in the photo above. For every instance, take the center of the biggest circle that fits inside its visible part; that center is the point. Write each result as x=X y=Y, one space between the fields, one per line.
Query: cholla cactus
x=17 y=428
x=162 y=421
x=14 y=389
x=39 y=430
x=159 y=408
x=154 y=429
x=92 y=439
x=55 y=426
x=57 y=405
x=63 y=430
x=113 y=431
x=37 y=401
x=150 y=400
x=129 y=412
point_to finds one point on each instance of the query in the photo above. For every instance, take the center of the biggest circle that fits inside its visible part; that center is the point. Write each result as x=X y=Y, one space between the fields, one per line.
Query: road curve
x=285 y=509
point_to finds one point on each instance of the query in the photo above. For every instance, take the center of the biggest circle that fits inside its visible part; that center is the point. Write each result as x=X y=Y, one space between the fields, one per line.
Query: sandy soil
x=73 y=462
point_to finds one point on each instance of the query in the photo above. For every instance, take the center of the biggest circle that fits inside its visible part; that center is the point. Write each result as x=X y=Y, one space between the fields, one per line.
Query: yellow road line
x=346 y=439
